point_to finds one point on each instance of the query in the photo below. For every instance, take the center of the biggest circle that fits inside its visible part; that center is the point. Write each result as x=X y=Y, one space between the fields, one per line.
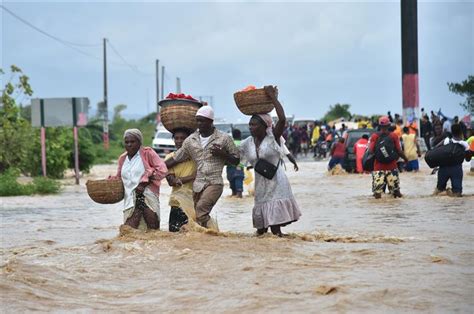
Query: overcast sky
x=317 y=53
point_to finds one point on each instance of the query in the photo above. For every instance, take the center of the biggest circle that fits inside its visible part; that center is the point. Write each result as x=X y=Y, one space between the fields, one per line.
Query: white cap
x=206 y=112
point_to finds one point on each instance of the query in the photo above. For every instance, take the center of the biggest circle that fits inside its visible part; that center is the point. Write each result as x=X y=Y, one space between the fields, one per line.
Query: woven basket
x=105 y=191
x=179 y=113
x=253 y=102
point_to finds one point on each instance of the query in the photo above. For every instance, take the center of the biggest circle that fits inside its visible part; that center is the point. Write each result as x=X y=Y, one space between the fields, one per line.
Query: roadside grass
x=9 y=186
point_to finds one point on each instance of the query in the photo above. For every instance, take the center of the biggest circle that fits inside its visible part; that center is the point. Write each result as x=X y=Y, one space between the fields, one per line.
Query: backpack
x=385 y=149
x=445 y=155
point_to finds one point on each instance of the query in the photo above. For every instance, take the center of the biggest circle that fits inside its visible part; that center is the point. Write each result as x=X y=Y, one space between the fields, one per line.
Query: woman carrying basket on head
x=275 y=205
x=141 y=171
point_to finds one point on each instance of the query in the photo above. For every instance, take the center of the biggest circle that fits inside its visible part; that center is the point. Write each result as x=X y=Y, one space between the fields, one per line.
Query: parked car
x=163 y=143
x=243 y=128
x=301 y=122
x=351 y=137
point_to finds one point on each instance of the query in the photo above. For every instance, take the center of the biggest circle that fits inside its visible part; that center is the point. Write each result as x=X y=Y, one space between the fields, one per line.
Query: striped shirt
x=209 y=167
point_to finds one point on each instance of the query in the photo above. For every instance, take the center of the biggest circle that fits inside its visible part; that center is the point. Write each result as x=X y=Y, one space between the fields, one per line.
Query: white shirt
x=463 y=143
x=204 y=140
x=132 y=171
x=283 y=146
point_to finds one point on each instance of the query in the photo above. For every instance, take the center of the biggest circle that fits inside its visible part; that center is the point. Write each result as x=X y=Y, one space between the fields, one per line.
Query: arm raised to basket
x=280 y=125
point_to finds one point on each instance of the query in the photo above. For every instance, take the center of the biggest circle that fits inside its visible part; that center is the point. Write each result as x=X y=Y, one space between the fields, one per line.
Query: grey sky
x=318 y=54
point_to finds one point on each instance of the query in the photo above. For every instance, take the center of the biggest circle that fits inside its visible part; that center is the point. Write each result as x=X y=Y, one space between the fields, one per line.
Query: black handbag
x=265 y=168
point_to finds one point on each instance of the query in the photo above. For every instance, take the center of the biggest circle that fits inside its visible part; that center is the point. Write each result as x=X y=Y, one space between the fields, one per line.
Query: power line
x=64 y=42
x=72 y=45
x=68 y=43
x=134 y=68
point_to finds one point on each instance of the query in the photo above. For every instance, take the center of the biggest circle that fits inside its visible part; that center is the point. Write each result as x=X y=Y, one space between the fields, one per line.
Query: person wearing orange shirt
x=359 y=149
x=398 y=128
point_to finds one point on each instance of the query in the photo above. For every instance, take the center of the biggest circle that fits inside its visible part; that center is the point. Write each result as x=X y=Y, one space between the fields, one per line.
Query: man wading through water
x=211 y=149
x=385 y=145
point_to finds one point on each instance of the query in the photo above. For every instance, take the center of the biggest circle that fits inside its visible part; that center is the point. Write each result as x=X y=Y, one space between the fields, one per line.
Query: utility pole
x=411 y=99
x=162 y=82
x=178 y=85
x=105 y=135
x=157 y=85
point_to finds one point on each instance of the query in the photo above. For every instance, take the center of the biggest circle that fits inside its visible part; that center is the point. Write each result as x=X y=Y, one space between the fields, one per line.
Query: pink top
x=155 y=168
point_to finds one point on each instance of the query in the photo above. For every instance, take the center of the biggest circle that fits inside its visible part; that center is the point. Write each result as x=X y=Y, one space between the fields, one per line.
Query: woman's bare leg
x=134 y=220
x=151 y=219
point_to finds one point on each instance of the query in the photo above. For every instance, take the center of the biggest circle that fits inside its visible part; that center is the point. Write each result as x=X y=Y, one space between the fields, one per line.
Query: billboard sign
x=59 y=111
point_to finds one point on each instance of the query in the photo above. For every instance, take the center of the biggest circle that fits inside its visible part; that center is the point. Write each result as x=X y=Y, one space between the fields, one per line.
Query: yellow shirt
x=315 y=135
x=183 y=169
x=409 y=146
x=470 y=141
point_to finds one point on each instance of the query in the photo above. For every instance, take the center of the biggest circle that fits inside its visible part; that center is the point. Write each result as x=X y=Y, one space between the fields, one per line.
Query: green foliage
x=338 y=111
x=9 y=185
x=25 y=112
x=46 y=186
x=116 y=130
x=57 y=157
x=103 y=156
x=15 y=131
x=465 y=89
x=87 y=151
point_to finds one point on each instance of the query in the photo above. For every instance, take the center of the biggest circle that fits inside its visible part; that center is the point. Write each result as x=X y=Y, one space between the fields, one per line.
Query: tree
x=15 y=131
x=338 y=111
x=118 y=113
x=465 y=89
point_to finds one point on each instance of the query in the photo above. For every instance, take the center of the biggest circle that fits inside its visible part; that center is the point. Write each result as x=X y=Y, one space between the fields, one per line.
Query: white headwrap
x=206 y=112
x=134 y=132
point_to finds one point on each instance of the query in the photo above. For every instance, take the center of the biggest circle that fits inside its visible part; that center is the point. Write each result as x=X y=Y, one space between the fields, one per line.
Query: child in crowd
x=180 y=178
x=235 y=174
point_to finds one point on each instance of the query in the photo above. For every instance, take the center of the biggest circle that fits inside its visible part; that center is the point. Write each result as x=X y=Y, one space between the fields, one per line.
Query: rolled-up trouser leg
x=205 y=200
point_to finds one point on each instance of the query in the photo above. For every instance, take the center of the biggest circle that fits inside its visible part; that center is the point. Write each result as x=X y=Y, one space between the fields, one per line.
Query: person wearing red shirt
x=386 y=173
x=359 y=149
x=338 y=151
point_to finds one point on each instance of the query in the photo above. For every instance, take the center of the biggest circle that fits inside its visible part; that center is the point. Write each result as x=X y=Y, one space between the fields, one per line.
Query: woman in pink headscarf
x=275 y=205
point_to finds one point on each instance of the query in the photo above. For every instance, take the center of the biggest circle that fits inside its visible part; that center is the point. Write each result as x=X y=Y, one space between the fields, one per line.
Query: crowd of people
x=195 y=169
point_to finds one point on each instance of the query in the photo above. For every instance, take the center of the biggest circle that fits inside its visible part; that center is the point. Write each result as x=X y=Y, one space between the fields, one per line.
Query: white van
x=163 y=143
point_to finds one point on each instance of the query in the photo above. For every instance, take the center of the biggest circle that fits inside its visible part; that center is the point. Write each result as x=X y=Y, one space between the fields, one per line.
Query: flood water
x=348 y=253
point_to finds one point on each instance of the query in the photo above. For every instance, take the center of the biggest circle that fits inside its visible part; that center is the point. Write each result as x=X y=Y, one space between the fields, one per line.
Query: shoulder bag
x=265 y=168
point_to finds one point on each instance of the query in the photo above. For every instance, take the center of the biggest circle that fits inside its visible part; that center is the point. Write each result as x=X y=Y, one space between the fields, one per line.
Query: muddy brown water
x=348 y=253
